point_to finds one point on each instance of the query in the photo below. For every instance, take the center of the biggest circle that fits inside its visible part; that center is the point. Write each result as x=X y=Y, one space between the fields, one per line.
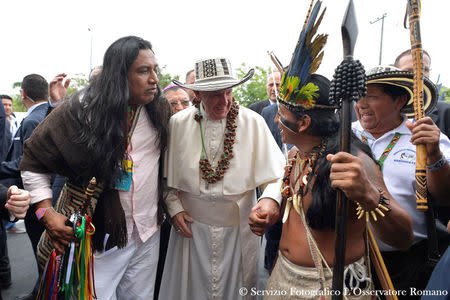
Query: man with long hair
x=116 y=131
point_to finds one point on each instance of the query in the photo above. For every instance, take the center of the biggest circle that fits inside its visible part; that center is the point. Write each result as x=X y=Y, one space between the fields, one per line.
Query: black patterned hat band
x=389 y=75
x=214 y=75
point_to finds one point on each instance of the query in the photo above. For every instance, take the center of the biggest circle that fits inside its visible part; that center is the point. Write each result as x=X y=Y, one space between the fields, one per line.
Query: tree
x=253 y=90
x=445 y=94
x=78 y=82
x=165 y=78
x=16 y=99
x=17 y=103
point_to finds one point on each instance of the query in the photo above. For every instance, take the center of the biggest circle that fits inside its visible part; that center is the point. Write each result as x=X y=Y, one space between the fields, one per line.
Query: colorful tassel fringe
x=71 y=274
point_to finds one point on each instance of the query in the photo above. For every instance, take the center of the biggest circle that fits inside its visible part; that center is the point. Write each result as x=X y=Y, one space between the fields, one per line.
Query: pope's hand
x=264 y=214
x=179 y=223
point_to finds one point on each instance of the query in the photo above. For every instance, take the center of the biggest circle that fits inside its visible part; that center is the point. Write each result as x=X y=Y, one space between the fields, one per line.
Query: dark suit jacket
x=269 y=113
x=9 y=169
x=273 y=233
x=4 y=137
x=258 y=106
x=3 y=211
x=6 y=140
x=441 y=117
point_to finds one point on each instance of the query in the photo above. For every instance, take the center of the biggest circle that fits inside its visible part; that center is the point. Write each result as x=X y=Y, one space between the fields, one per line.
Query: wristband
x=437 y=165
x=40 y=212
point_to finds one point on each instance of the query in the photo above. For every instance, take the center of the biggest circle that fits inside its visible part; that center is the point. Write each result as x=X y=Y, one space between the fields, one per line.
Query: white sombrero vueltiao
x=404 y=79
x=214 y=75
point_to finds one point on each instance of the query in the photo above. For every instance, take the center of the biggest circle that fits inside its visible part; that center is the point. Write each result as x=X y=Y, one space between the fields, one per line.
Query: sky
x=50 y=37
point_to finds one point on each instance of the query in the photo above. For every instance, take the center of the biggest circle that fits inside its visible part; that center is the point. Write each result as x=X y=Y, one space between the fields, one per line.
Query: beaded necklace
x=208 y=173
x=125 y=182
x=298 y=164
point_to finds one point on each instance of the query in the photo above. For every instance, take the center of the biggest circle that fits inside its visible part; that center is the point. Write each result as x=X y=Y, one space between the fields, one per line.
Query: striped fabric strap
x=386 y=151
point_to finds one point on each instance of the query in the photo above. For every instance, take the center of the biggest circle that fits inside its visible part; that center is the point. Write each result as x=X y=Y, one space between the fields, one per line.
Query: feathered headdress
x=295 y=90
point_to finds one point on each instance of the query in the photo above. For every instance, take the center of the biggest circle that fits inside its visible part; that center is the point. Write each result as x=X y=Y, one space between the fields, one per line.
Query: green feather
x=290 y=85
x=308 y=92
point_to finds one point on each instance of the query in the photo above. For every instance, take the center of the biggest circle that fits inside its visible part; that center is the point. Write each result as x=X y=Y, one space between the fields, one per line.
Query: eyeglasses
x=20 y=91
x=183 y=103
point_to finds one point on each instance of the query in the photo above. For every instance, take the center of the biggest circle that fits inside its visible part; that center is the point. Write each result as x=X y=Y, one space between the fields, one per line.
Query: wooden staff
x=88 y=193
x=417 y=55
x=380 y=267
x=422 y=201
x=349 y=31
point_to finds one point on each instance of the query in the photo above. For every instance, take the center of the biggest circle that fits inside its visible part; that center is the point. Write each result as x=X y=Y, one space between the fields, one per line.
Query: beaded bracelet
x=383 y=204
x=437 y=165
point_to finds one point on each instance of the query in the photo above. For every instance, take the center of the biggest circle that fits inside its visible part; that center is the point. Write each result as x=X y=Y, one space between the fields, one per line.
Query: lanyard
x=386 y=151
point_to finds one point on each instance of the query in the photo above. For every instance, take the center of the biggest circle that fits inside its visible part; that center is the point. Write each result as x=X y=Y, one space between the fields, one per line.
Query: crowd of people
x=189 y=180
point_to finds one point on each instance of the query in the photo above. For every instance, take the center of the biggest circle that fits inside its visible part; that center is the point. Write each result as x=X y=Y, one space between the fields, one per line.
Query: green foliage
x=78 y=82
x=165 y=78
x=253 y=90
x=446 y=91
x=17 y=103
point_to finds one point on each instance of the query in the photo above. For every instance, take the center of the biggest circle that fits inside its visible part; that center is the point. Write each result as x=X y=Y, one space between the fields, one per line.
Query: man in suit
x=13 y=203
x=10 y=131
x=441 y=113
x=272 y=87
x=34 y=96
x=5 y=270
x=7 y=126
x=269 y=113
x=10 y=117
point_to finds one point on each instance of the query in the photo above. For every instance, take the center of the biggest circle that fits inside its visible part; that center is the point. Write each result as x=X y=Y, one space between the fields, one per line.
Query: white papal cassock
x=222 y=255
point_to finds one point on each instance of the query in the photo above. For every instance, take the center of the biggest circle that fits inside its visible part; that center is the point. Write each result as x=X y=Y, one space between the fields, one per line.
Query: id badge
x=124 y=183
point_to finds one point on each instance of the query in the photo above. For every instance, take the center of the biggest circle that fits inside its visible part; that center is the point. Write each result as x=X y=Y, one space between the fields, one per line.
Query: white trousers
x=128 y=273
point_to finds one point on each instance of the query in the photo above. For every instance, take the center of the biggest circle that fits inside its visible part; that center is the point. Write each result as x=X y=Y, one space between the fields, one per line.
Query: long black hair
x=322 y=211
x=325 y=123
x=101 y=110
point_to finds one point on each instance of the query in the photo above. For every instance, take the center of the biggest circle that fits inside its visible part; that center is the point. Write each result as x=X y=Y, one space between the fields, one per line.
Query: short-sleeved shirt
x=399 y=172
